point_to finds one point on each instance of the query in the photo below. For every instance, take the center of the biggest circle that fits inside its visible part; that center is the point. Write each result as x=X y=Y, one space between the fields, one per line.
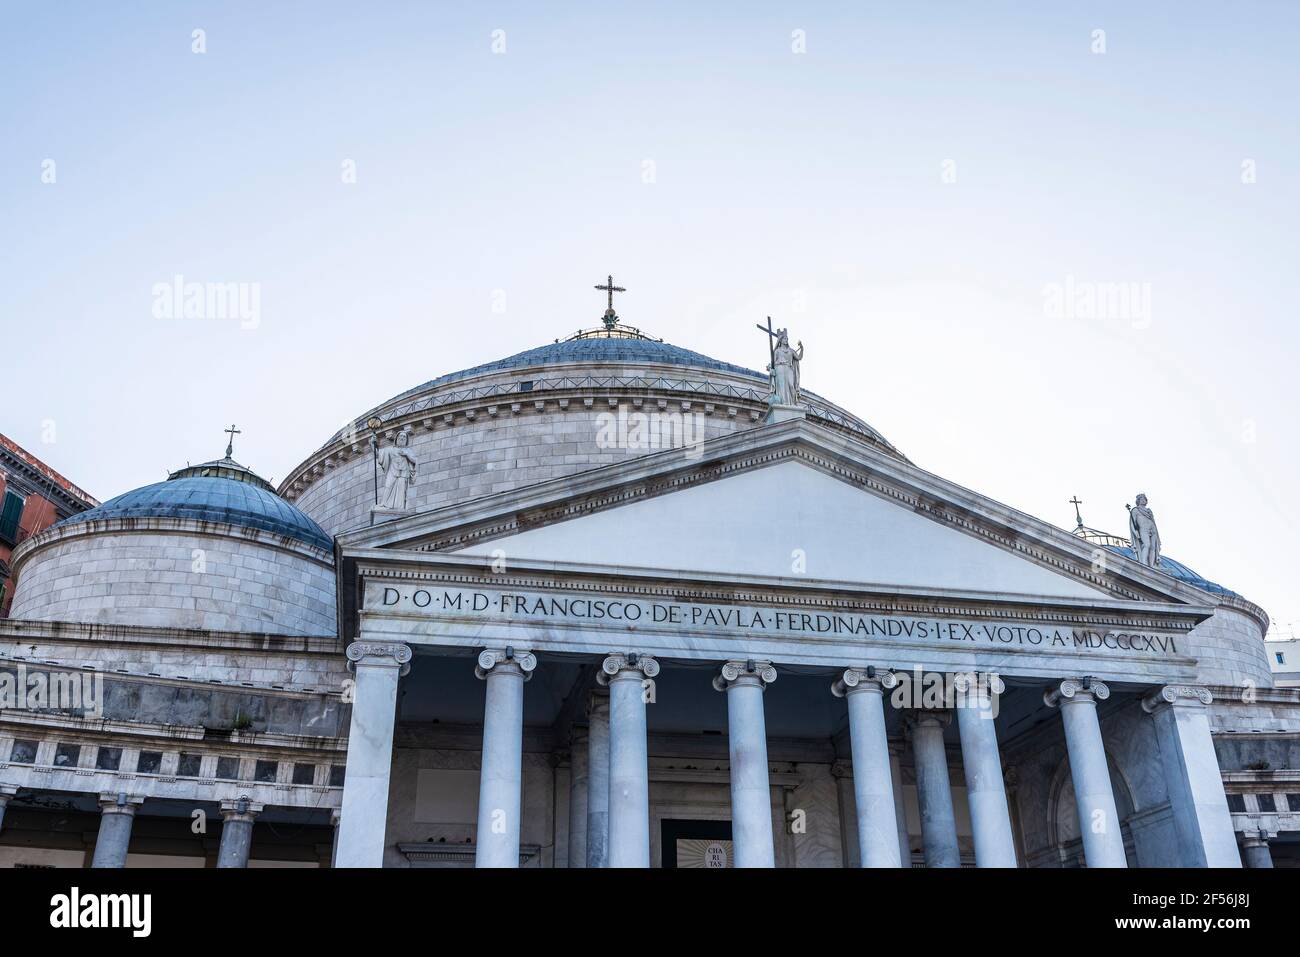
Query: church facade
x=613 y=603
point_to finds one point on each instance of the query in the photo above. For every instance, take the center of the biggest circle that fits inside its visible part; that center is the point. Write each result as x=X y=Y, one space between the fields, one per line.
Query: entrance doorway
x=697 y=843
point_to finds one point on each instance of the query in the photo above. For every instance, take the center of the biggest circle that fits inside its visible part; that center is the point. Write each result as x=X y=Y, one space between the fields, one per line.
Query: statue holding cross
x=784 y=367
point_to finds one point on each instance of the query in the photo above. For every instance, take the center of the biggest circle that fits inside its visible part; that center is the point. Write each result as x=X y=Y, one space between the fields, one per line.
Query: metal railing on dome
x=559 y=383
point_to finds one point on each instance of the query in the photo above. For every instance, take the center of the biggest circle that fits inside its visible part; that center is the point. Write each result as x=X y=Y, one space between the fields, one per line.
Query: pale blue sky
x=780 y=179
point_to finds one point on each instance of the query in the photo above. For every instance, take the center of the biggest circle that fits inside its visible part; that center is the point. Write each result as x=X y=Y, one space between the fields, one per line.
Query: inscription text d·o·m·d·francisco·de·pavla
x=620 y=612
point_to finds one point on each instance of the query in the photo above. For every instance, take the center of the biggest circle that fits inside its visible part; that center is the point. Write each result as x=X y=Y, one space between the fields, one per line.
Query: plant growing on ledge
x=241 y=722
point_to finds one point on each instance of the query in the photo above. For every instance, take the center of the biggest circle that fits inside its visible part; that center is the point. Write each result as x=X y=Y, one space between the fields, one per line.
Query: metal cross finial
x=771 y=338
x=230 y=446
x=611 y=317
x=1076 y=502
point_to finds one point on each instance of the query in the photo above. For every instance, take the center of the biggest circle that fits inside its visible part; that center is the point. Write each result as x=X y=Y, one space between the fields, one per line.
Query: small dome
x=211 y=493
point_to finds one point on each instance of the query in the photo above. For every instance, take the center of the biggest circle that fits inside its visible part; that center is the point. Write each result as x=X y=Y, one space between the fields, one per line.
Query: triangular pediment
x=793 y=500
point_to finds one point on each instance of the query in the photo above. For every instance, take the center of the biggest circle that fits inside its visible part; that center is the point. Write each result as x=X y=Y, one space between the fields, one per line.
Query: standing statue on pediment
x=784 y=370
x=399 y=468
x=1143 y=534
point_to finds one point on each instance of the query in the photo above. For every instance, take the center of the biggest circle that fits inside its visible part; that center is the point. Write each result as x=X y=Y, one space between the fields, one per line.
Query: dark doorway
x=696 y=843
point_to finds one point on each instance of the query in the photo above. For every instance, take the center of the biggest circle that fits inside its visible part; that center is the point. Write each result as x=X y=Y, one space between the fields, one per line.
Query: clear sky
x=927 y=195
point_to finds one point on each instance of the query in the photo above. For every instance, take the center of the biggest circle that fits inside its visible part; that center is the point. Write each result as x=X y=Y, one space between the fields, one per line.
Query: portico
x=1027 y=639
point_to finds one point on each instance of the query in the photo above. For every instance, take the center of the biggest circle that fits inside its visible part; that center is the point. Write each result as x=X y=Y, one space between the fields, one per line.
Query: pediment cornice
x=453 y=528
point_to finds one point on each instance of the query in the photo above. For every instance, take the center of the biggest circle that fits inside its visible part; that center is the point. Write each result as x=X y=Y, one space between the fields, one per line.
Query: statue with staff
x=783 y=370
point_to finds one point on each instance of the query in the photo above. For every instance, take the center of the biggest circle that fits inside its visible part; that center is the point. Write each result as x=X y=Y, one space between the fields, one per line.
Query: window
x=1266 y=803
x=1293 y=802
x=1280 y=656
x=11 y=512
x=1236 y=802
x=188 y=766
x=150 y=762
x=66 y=755
x=303 y=773
x=108 y=759
x=228 y=768
x=264 y=772
x=336 y=775
x=24 y=752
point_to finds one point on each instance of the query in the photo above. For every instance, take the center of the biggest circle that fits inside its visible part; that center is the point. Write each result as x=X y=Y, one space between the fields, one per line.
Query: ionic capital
x=381 y=654
x=1192 y=696
x=863 y=679
x=119 y=803
x=917 y=718
x=739 y=673
x=505 y=661
x=1076 y=689
x=240 y=809
x=630 y=665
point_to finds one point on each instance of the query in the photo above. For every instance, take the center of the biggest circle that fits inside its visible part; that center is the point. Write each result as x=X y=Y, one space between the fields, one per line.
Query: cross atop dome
x=610 y=327
x=611 y=317
x=230 y=446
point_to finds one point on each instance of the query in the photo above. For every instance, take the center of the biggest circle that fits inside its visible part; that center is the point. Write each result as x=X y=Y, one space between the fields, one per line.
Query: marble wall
x=177 y=579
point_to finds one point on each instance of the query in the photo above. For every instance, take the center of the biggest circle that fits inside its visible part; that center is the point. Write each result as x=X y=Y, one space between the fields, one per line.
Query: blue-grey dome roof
x=594 y=348
x=1180 y=571
x=212 y=499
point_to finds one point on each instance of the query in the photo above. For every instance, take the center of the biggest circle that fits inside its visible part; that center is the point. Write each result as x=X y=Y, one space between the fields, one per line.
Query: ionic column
x=7 y=793
x=116 y=814
x=933 y=789
x=986 y=792
x=501 y=770
x=1103 y=844
x=900 y=807
x=629 y=766
x=363 y=817
x=236 y=832
x=578 y=797
x=598 y=779
x=1192 y=776
x=873 y=787
x=751 y=793
x=1255 y=852
x=335 y=817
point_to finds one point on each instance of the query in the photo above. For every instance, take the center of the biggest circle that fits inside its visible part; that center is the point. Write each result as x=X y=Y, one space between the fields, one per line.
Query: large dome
x=535 y=416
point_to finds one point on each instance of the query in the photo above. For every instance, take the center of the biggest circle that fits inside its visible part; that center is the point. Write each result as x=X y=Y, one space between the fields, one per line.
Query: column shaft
x=114 y=838
x=1192 y=777
x=934 y=794
x=751 y=794
x=629 y=773
x=985 y=790
x=1103 y=843
x=1256 y=853
x=900 y=807
x=236 y=839
x=501 y=770
x=578 y=786
x=873 y=785
x=364 y=815
x=598 y=782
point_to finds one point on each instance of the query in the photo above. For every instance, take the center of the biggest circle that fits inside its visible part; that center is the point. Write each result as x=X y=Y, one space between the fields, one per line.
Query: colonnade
x=612 y=788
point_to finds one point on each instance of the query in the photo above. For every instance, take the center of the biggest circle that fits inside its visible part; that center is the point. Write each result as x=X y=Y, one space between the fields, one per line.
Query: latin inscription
x=631 y=614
